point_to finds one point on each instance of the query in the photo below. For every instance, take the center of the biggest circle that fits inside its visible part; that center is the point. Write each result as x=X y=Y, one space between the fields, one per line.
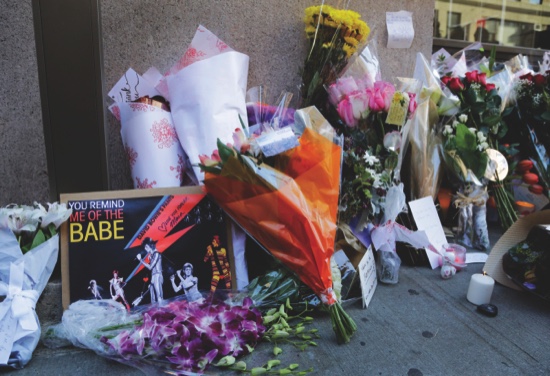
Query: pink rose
x=347 y=85
x=380 y=96
x=412 y=103
x=334 y=94
x=364 y=82
x=359 y=104
x=345 y=110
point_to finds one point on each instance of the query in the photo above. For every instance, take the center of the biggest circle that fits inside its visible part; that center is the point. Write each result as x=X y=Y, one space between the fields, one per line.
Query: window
x=515 y=23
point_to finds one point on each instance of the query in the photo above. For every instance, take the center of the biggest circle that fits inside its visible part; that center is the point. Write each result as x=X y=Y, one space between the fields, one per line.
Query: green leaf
x=293 y=366
x=239 y=366
x=39 y=238
x=272 y=363
x=277 y=350
x=258 y=371
x=465 y=140
x=225 y=151
x=285 y=371
x=226 y=361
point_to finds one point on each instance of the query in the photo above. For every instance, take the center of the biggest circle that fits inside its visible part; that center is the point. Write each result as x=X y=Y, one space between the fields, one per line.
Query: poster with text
x=144 y=246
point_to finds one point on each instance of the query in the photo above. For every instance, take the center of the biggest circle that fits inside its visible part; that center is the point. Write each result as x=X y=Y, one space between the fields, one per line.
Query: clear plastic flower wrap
x=175 y=336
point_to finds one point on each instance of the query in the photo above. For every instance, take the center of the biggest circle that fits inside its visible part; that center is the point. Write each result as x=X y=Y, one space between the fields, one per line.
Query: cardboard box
x=515 y=234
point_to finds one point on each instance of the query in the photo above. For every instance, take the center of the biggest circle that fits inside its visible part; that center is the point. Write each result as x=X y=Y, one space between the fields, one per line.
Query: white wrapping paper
x=207 y=95
x=22 y=280
x=152 y=146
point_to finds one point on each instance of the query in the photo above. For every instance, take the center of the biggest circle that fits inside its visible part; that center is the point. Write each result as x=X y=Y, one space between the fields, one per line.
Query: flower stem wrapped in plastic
x=291 y=210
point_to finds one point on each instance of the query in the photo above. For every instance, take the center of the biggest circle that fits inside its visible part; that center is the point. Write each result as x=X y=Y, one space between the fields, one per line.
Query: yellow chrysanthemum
x=349 y=50
x=336 y=18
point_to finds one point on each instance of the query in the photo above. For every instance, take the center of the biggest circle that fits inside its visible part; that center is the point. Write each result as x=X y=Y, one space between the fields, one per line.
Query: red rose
x=472 y=76
x=490 y=87
x=455 y=85
x=445 y=79
x=528 y=77
x=539 y=80
x=481 y=78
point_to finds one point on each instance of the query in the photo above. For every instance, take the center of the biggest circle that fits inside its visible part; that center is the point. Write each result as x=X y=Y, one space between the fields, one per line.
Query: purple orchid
x=192 y=335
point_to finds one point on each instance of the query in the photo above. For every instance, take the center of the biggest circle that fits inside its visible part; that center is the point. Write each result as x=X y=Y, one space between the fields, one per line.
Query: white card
x=400 y=29
x=367 y=275
x=276 y=142
x=426 y=218
x=476 y=257
x=130 y=87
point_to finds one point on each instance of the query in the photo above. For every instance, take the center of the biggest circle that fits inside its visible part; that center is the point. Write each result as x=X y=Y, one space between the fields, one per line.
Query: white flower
x=448 y=130
x=57 y=214
x=377 y=182
x=482 y=146
x=370 y=159
x=455 y=123
x=463 y=118
x=473 y=130
x=481 y=137
x=392 y=141
x=23 y=218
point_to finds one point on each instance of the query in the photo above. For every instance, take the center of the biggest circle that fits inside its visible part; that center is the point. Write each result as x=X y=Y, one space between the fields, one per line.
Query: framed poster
x=143 y=246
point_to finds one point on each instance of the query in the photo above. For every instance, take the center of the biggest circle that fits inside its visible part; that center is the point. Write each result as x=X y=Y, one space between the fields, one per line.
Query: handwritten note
x=426 y=218
x=8 y=326
x=130 y=87
x=400 y=29
x=397 y=114
x=367 y=276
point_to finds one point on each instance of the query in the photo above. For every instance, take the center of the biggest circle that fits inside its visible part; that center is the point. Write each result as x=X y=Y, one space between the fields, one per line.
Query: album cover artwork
x=144 y=246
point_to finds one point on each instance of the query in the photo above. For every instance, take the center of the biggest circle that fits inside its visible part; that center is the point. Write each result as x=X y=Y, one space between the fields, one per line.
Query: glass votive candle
x=459 y=253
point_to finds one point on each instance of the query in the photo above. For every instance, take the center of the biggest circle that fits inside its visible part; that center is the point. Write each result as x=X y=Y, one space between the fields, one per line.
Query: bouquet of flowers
x=290 y=209
x=373 y=115
x=532 y=94
x=481 y=126
x=29 y=246
x=334 y=35
x=178 y=337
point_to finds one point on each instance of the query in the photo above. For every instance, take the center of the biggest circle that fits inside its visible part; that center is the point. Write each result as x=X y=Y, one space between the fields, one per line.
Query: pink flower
x=364 y=82
x=334 y=94
x=345 y=110
x=359 y=104
x=347 y=85
x=240 y=141
x=210 y=161
x=412 y=103
x=380 y=96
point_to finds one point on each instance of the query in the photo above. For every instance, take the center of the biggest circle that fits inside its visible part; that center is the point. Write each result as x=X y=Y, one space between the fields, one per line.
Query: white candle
x=480 y=289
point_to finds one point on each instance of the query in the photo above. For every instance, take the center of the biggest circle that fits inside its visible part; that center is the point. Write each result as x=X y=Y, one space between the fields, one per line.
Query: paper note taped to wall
x=400 y=29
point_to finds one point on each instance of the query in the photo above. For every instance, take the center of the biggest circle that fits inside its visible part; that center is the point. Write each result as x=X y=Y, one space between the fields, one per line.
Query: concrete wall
x=145 y=33
x=23 y=169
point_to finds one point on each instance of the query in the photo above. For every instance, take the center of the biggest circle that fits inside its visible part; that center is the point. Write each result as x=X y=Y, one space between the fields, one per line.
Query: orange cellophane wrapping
x=293 y=214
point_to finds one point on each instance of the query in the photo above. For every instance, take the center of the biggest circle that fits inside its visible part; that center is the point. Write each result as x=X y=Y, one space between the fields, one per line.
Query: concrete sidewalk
x=422 y=326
